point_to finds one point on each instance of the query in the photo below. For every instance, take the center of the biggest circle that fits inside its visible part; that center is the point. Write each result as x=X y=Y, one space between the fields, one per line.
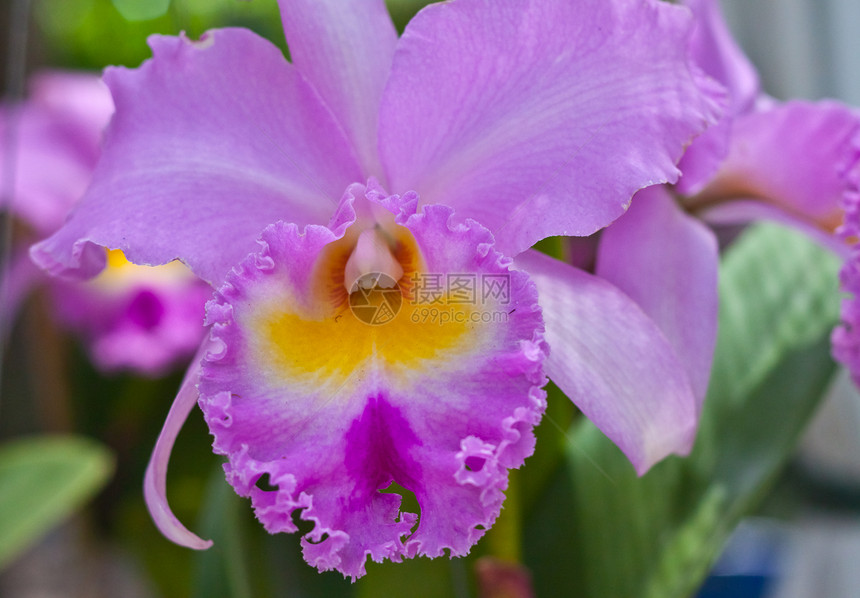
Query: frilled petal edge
x=846 y=336
x=439 y=400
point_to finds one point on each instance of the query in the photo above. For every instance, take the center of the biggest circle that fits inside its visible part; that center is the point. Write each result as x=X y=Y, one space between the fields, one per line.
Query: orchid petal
x=136 y=318
x=334 y=410
x=743 y=211
x=719 y=56
x=155 y=480
x=769 y=161
x=667 y=263
x=54 y=153
x=703 y=158
x=344 y=49
x=717 y=53
x=211 y=141
x=613 y=362
x=19 y=277
x=80 y=97
x=540 y=118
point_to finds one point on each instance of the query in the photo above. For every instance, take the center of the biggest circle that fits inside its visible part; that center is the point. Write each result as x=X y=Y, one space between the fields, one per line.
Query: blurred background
x=804 y=542
x=808 y=49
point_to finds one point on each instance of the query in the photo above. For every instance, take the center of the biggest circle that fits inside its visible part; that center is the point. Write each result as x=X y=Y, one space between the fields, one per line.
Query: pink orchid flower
x=373 y=163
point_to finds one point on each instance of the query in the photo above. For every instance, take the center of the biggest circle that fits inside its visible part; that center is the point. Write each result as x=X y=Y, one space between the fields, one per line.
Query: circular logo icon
x=375 y=299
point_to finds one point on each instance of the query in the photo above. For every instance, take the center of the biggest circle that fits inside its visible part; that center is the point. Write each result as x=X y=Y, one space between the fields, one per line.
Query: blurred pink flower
x=136 y=318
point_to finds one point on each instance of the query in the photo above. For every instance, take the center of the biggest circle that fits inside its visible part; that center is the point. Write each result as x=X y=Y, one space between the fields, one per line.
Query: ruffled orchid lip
x=334 y=411
x=846 y=336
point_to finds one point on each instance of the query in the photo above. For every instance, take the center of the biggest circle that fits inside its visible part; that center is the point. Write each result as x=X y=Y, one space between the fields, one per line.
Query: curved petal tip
x=155 y=480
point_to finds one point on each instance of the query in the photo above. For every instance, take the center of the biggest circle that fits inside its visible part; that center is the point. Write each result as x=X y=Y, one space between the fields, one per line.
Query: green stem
x=504 y=540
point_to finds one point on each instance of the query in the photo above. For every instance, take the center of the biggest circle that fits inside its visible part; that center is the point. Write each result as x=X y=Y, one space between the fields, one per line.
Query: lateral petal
x=667 y=261
x=540 y=118
x=613 y=362
x=211 y=141
x=717 y=53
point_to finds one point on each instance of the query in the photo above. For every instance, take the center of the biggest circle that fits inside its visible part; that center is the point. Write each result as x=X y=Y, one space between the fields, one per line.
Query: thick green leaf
x=600 y=531
x=43 y=480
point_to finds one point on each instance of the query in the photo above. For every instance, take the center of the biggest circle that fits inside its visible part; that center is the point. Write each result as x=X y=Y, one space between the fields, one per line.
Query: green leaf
x=222 y=571
x=141 y=10
x=601 y=531
x=43 y=480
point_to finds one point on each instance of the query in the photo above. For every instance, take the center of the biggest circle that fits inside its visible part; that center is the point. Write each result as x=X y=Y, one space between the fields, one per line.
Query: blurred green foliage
x=44 y=479
x=92 y=34
x=601 y=531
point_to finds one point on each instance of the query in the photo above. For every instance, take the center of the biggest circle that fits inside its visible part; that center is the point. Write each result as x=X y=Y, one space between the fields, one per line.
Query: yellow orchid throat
x=326 y=340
